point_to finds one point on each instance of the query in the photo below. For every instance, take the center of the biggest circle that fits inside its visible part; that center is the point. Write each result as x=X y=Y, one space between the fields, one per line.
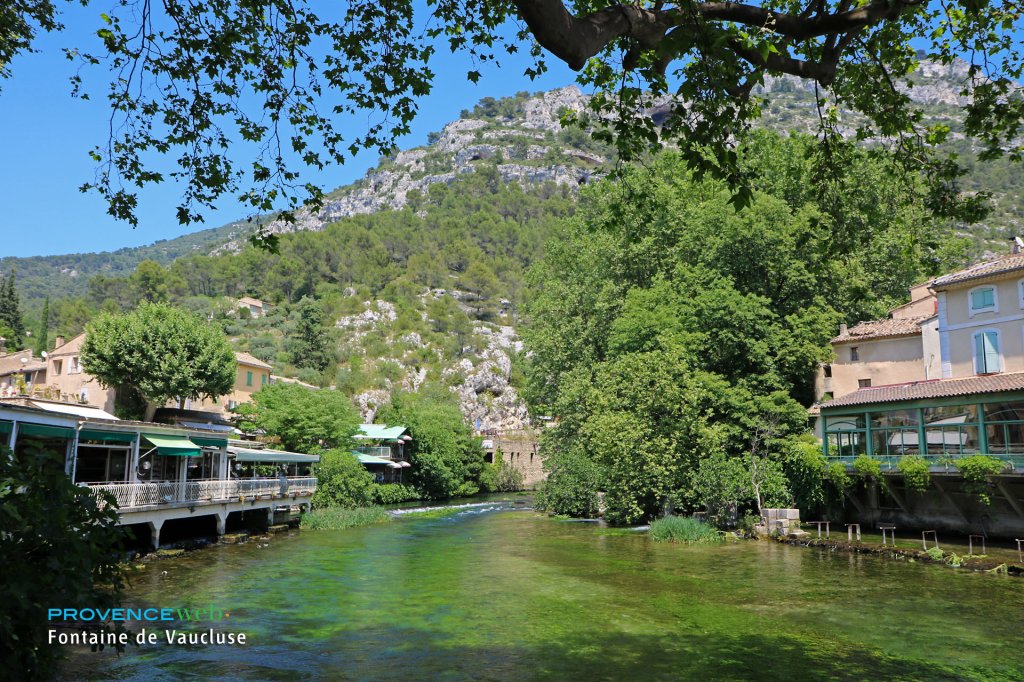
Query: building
x=69 y=382
x=21 y=371
x=965 y=397
x=255 y=306
x=519 y=450
x=251 y=374
x=382 y=451
x=159 y=474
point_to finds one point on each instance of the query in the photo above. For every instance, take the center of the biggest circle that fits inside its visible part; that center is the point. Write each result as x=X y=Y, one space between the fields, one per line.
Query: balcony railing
x=377 y=451
x=936 y=463
x=140 y=495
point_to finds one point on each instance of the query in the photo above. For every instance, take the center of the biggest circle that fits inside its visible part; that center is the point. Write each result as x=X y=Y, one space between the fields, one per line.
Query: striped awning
x=282 y=456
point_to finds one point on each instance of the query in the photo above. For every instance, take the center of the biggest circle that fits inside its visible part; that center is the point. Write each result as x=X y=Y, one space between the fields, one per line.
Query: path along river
x=496 y=592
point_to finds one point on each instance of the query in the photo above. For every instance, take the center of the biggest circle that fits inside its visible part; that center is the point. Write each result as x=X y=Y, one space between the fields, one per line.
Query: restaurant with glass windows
x=937 y=429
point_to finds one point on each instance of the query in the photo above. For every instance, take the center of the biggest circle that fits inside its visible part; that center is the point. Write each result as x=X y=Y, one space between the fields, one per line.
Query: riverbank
x=981 y=563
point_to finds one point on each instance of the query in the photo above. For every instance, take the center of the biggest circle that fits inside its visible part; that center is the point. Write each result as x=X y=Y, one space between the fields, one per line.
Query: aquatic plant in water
x=684 y=529
x=338 y=518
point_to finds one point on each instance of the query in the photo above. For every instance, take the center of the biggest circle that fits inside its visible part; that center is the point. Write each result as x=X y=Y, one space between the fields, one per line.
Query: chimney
x=58 y=342
x=842 y=329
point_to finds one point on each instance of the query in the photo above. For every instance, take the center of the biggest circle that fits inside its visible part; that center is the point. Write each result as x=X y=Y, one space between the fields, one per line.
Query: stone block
x=234 y=538
x=278 y=528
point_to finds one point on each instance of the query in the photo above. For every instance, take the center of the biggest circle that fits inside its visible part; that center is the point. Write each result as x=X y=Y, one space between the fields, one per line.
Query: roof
x=249 y=300
x=83 y=411
x=250 y=360
x=11 y=363
x=935 y=388
x=380 y=432
x=1005 y=264
x=370 y=459
x=882 y=329
x=71 y=347
x=250 y=455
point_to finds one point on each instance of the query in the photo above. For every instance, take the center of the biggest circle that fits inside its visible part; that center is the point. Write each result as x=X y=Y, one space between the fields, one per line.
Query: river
x=498 y=592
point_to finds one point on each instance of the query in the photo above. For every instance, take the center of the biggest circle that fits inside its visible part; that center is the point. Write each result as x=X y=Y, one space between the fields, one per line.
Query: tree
x=685 y=73
x=164 y=352
x=43 y=333
x=301 y=419
x=342 y=481
x=10 y=311
x=310 y=343
x=447 y=460
x=58 y=548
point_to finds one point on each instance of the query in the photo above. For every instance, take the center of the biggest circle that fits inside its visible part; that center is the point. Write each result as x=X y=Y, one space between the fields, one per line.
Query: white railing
x=376 y=451
x=136 y=495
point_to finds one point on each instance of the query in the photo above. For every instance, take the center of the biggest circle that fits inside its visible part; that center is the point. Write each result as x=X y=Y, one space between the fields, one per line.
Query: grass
x=339 y=518
x=684 y=529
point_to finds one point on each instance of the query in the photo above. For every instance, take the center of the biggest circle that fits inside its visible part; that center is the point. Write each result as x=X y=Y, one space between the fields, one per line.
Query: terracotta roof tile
x=1009 y=263
x=935 y=388
x=880 y=329
x=250 y=360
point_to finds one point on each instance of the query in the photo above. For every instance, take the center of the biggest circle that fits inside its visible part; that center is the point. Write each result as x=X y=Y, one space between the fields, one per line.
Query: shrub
x=571 y=486
x=935 y=554
x=976 y=470
x=342 y=481
x=501 y=477
x=684 y=529
x=720 y=484
x=393 y=493
x=836 y=474
x=867 y=467
x=58 y=547
x=915 y=472
x=338 y=518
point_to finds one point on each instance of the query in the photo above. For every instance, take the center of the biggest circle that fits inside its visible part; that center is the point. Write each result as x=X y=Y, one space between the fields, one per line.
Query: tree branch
x=574 y=39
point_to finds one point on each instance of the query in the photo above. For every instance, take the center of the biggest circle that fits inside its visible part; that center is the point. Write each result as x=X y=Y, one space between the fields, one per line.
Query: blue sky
x=45 y=135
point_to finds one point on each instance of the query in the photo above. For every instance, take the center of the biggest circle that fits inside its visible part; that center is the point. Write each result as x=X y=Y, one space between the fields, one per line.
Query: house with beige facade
x=65 y=375
x=255 y=306
x=251 y=374
x=942 y=387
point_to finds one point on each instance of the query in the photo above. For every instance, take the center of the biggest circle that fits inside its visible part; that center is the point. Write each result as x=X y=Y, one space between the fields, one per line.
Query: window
x=986 y=352
x=828 y=371
x=58 y=366
x=248 y=378
x=854 y=354
x=982 y=300
x=864 y=383
x=73 y=367
x=263 y=379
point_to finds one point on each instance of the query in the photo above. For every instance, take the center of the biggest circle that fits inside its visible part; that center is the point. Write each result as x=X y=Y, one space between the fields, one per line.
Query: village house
x=21 y=370
x=251 y=374
x=953 y=387
x=255 y=306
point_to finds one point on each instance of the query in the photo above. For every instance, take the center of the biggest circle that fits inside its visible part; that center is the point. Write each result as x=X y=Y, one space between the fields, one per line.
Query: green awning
x=173 y=446
x=247 y=455
x=107 y=436
x=5 y=427
x=370 y=459
x=44 y=431
x=209 y=441
x=380 y=432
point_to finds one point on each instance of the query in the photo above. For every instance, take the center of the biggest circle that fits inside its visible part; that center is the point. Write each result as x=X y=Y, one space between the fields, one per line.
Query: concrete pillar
x=270 y=516
x=222 y=522
x=154 y=532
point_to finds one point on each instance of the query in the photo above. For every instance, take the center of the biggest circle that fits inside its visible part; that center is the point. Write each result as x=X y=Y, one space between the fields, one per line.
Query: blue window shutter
x=991 y=351
x=979 y=354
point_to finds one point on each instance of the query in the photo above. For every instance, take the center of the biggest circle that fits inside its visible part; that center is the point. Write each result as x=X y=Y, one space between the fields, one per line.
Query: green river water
x=497 y=593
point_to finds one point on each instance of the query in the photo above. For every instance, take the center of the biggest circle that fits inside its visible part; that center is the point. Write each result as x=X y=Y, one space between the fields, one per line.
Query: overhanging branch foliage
x=192 y=78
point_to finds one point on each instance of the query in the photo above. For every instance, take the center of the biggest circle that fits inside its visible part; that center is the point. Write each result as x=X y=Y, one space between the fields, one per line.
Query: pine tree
x=10 y=312
x=310 y=349
x=43 y=335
